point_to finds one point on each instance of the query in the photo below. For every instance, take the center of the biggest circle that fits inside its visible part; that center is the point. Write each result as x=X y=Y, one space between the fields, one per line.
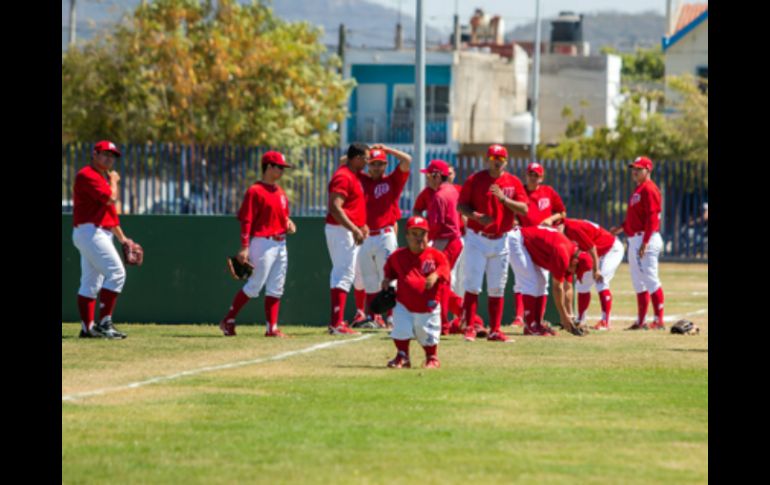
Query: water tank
x=568 y=27
x=518 y=129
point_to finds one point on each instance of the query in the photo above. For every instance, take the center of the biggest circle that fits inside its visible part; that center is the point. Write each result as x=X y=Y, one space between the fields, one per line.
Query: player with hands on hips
x=606 y=252
x=345 y=231
x=95 y=220
x=265 y=222
x=422 y=274
x=381 y=193
x=642 y=228
x=489 y=199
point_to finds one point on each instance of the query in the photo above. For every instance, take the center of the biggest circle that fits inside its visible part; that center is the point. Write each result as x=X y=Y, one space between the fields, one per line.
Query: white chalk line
x=284 y=355
x=670 y=318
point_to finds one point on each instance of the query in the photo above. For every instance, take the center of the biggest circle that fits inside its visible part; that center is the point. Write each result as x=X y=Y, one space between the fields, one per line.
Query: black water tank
x=568 y=27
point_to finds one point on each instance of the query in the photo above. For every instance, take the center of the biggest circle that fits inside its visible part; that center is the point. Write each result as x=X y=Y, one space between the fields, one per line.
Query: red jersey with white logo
x=476 y=194
x=382 y=196
x=588 y=234
x=264 y=212
x=643 y=211
x=544 y=201
x=411 y=270
x=346 y=182
x=443 y=218
x=549 y=249
x=91 y=200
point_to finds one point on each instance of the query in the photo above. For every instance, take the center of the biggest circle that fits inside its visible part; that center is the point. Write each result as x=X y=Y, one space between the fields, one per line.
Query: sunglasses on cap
x=500 y=158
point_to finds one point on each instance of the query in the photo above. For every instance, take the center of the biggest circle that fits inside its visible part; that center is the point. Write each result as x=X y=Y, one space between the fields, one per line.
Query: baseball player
x=548 y=250
x=546 y=208
x=95 y=221
x=606 y=253
x=265 y=222
x=381 y=193
x=422 y=273
x=489 y=199
x=642 y=226
x=345 y=230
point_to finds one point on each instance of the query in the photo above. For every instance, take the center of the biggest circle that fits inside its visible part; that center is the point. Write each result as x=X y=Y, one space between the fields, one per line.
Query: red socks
x=86 y=307
x=531 y=310
x=430 y=351
x=272 y=304
x=339 y=297
x=107 y=300
x=470 y=305
x=584 y=300
x=642 y=302
x=605 y=298
x=240 y=299
x=402 y=346
x=657 y=304
x=495 y=306
x=542 y=301
x=362 y=302
x=369 y=297
x=519 y=308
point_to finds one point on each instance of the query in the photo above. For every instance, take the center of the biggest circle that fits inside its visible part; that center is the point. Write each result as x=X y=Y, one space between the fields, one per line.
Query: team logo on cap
x=419 y=220
x=112 y=146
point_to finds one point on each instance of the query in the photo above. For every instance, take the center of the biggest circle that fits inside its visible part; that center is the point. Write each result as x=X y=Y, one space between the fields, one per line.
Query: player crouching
x=422 y=273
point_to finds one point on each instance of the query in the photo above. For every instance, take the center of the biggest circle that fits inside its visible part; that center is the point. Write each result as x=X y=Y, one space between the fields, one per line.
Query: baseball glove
x=133 y=253
x=685 y=327
x=238 y=270
x=384 y=301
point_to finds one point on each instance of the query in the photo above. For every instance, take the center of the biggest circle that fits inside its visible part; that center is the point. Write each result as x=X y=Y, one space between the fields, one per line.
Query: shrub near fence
x=181 y=179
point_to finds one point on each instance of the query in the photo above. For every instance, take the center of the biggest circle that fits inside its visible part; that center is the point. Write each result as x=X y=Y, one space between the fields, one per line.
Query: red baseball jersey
x=588 y=234
x=423 y=200
x=459 y=189
x=544 y=201
x=643 y=211
x=443 y=218
x=346 y=182
x=549 y=249
x=264 y=212
x=476 y=194
x=411 y=270
x=91 y=200
x=382 y=197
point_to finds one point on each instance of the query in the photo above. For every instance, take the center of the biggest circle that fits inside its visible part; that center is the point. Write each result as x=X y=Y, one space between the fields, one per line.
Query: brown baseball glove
x=133 y=253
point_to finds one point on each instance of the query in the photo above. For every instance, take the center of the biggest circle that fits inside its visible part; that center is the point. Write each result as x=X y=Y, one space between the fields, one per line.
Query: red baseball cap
x=439 y=166
x=418 y=222
x=497 y=151
x=585 y=263
x=641 y=162
x=107 y=146
x=377 y=155
x=275 y=158
x=535 y=167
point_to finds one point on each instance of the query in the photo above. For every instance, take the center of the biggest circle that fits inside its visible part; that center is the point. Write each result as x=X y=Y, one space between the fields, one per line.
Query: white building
x=686 y=44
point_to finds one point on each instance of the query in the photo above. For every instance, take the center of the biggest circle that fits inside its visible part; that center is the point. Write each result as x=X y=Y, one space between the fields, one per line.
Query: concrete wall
x=484 y=94
x=588 y=85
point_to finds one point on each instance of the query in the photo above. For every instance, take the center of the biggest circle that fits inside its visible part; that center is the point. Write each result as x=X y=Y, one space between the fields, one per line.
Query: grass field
x=613 y=407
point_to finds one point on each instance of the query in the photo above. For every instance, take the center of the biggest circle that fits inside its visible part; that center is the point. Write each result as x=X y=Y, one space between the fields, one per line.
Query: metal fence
x=181 y=179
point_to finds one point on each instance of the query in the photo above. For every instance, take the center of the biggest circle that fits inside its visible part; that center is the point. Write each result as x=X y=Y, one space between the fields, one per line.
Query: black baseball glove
x=384 y=301
x=237 y=270
x=685 y=327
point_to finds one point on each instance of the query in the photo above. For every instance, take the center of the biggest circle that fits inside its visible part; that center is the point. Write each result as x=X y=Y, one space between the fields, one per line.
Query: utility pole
x=72 y=23
x=418 y=162
x=535 y=82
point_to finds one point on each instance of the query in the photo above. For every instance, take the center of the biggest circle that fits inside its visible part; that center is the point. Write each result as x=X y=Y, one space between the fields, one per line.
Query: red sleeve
x=339 y=185
x=419 y=204
x=557 y=205
x=651 y=204
x=398 y=180
x=520 y=195
x=94 y=188
x=444 y=270
x=246 y=215
x=389 y=269
x=466 y=192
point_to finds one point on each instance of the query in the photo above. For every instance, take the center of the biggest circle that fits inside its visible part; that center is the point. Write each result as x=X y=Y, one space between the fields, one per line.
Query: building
x=686 y=43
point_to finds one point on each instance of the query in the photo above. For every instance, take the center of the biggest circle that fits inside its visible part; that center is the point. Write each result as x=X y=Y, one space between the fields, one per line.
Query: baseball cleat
x=401 y=361
x=517 y=322
x=86 y=334
x=602 y=325
x=535 y=330
x=498 y=337
x=342 y=329
x=359 y=319
x=227 y=328
x=470 y=333
x=455 y=327
x=657 y=326
x=108 y=330
x=275 y=333
x=432 y=363
x=638 y=326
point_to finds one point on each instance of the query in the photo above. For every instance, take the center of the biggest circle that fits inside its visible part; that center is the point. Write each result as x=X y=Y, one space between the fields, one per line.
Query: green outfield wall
x=184 y=280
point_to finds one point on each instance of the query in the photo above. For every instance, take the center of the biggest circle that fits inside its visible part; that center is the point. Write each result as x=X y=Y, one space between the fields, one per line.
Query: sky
x=440 y=13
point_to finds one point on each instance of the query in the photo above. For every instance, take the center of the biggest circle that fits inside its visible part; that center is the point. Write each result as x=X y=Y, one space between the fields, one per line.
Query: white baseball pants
x=371 y=260
x=483 y=255
x=644 y=272
x=343 y=252
x=608 y=265
x=425 y=327
x=271 y=260
x=100 y=263
x=521 y=262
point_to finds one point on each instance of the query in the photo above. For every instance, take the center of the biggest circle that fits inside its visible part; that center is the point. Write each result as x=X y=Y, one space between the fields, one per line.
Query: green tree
x=644 y=65
x=190 y=72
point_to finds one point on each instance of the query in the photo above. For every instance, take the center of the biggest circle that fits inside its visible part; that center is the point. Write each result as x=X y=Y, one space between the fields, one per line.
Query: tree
x=644 y=65
x=189 y=72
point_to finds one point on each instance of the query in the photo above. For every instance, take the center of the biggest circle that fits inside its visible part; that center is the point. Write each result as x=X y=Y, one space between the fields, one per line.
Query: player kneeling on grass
x=422 y=273
x=264 y=216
